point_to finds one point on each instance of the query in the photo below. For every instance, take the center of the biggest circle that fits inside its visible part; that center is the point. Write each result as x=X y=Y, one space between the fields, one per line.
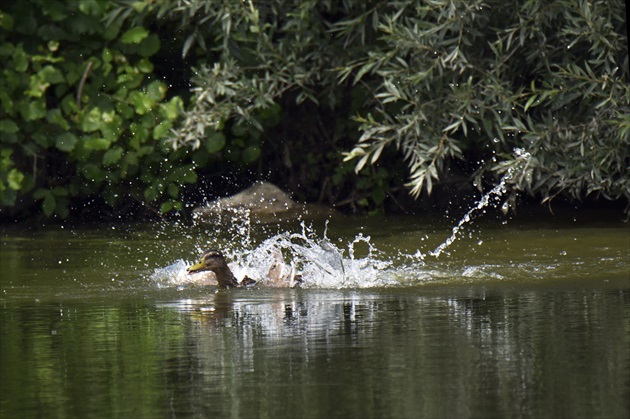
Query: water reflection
x=303 y=353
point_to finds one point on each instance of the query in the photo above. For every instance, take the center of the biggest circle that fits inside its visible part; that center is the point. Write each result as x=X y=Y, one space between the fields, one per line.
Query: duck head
x=214 y=261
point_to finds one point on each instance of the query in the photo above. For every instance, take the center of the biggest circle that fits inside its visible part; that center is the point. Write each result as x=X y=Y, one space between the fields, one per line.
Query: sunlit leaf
x=141 y=102
x=156 y=90
x=96 y=144
x=162 y=129
x=15 y=179
x=134 y=35
x=92 y=121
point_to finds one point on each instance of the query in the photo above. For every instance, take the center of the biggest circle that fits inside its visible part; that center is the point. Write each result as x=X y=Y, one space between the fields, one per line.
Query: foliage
x=486 y=77
x=454 y=86
x=82 y=116
x=268 y=69
x=334 y=99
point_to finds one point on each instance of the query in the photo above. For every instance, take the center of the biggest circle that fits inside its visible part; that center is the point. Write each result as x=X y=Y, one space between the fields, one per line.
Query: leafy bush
x=269 y=70
x=475 y=80
x=337 y=100
x=82 y=116
x=454 y=86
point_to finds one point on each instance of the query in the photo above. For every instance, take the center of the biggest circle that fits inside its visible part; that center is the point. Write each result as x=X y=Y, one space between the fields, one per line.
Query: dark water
x=515 y=321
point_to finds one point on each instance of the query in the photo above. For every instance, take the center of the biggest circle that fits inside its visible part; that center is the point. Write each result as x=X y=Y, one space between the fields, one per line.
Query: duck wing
x=282 y=275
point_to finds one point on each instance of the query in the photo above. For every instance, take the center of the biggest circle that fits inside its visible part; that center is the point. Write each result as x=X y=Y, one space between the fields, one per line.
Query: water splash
x=321 y=263
x=324 y=264
x=517 y=166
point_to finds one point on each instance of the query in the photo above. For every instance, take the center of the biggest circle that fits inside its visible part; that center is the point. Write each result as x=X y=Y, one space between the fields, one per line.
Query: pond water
x=511 y=320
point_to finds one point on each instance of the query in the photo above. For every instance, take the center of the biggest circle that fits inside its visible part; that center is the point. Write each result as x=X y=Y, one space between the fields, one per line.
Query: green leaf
x=6 y=102
x=54 y=116
x=162 y=129
x=151 y=193
x=134 y=35
x=149 y=46
x=14 y=179
x=34 y=110
x=51 y=33
x=92 y=121
x=215 y=142
x=53 y=46
x=141 y=102
x=42 y=138
x=145 y=150
x=92 y=172
x=60 y=191
x=131 y=159
x=49 y=204
x=251 y=154
x=188 y=175
x=156 y=90
x=7 y=196
x=173 y=190
x=112 y=126
x=107 y=56
x=112 y=156
x=530 y=101
x=238 y=130
x=92 y=7
x=96 y=144
x=124 y=110
x=51 y=75
x=8 y=126
x=172 y=108
x=66 y=142
x=6 y=21
x=139 y=132
x=62 y=208
x=166 y=207
x=41 y=194
x=145 y=66
x=111 y=31
x=20 y=60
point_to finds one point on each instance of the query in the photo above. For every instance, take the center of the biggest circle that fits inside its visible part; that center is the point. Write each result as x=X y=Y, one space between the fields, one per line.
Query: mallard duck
x=279 y=274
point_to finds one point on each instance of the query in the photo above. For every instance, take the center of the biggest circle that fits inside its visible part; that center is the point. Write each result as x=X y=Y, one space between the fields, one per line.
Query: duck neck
x=225 y=277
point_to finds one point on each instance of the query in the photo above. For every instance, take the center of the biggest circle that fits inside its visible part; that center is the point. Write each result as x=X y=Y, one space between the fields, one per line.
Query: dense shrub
x=82 y=116
x=454 y=86
x=339 y=101
x=265 y=77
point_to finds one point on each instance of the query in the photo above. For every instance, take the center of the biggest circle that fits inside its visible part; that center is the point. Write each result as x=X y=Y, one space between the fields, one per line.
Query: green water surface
x=513 y=321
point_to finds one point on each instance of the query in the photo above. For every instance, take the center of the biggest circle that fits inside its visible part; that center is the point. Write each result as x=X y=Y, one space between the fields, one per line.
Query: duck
x=280 y=275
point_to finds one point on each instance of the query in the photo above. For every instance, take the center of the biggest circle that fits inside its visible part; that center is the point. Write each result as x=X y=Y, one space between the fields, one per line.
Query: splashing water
x=324 y=264
x=321 y=263
x=520 y=164
x=522 y=159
